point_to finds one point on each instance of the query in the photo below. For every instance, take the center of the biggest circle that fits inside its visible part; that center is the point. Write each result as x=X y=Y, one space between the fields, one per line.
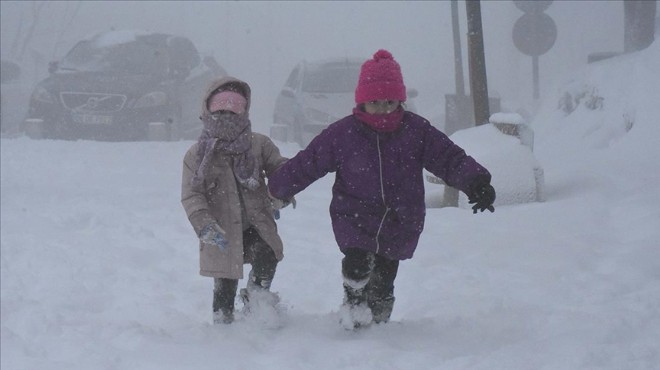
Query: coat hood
x=218 y=85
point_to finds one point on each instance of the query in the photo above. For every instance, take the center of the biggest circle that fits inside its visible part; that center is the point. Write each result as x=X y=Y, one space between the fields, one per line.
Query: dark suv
x=123 y=85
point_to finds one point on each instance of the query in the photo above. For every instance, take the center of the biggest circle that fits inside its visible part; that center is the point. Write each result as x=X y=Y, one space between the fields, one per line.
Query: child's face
x=221 y=115
x=381 y=106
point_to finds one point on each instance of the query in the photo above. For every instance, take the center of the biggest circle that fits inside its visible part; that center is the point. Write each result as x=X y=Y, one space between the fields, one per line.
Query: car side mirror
x=53 y=66
x=287 y=92
x=412 y=93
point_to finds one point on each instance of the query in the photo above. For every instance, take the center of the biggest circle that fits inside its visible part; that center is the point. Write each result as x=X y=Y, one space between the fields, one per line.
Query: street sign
x=534 y=33
x=532 y=6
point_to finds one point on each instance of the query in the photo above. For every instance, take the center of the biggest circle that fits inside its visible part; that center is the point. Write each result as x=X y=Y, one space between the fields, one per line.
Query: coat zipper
x=382 y=193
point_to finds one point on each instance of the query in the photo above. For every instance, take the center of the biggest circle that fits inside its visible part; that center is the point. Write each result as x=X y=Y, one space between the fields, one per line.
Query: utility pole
x=477 y=63
x=458 y=58
x=450 y=195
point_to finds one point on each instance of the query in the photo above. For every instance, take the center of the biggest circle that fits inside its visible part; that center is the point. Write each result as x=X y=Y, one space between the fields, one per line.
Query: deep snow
x=99 y=264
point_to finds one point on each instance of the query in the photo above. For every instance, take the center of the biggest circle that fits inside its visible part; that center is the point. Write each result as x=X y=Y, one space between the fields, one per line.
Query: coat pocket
x=214 y=259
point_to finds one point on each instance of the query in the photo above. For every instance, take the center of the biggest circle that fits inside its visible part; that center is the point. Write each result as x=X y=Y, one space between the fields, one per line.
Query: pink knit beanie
x=227 y=100
x=380 y=79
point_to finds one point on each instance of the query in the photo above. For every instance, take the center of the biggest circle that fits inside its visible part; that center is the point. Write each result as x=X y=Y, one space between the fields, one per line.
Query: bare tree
x=17 y=36
x=65 y=27
x=37 y=7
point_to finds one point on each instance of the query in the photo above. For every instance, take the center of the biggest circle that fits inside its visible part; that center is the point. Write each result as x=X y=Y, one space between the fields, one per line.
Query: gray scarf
x=229 y=134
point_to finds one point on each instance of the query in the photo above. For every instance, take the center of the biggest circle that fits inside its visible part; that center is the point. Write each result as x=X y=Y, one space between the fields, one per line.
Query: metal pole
x=458 y=57
x=477 y=62
x=450 y=195
x=535 y=76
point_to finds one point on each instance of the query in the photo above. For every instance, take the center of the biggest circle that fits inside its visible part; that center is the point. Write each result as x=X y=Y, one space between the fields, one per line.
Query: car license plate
x=92 y=119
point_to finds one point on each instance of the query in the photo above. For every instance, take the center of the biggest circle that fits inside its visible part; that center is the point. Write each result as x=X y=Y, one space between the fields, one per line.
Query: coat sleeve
x=271 y=157
x=192 y=198
x=304 y=168
x=448 y=161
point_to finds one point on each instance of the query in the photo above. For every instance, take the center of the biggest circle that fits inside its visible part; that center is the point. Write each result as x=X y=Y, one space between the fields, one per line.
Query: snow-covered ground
x=99 y=264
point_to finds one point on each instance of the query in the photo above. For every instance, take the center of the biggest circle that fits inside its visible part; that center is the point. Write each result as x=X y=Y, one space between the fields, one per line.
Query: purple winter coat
x=378 y=195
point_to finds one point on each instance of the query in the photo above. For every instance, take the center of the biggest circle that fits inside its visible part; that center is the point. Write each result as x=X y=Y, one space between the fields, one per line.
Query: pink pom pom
x=382 y=54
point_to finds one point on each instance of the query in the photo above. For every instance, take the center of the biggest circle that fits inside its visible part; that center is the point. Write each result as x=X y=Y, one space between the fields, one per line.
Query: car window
x=294 y=78
x=10 y=71
x=183 y=54
x=331 y=79
x=134 y=57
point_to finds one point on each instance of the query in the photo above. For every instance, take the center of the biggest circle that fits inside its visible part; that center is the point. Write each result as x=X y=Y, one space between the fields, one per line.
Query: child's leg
x=224 y=292
x=356 y=267
x=380 y=290
x=257 y=296
x=264 y=262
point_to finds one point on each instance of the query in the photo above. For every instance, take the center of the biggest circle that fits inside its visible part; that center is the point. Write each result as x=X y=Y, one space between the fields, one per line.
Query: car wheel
x=177 y=127
x=169 y=130
x=34 y=128
x=158 y=131
x=173 y=129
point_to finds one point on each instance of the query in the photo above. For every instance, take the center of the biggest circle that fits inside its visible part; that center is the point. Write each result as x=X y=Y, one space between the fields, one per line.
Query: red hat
x=227 y=100
x=380 y=79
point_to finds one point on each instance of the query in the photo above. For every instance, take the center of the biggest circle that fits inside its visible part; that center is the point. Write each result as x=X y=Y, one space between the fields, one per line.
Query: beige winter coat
x=218 y=200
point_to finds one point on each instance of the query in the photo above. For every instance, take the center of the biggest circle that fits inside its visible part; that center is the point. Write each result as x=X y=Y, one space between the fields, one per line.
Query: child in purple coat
x=378 y=155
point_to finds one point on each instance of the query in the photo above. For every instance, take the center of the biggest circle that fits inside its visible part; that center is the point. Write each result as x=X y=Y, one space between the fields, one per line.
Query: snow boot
x=260 y=305
x=258 y=289
x=223 y=316
x=224 y=292
x=355 y=312
x=381 y=308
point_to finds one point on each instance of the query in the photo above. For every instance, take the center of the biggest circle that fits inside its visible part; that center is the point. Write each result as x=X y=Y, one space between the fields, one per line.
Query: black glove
x=483 y=196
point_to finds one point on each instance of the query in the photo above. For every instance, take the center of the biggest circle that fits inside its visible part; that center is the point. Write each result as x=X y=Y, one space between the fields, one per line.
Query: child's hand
x=279 y=204
x=483 y=197
x=213 y=234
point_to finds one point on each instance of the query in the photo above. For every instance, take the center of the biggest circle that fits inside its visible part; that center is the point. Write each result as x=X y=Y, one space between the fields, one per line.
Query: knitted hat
x=227 y=100
x=380 y=79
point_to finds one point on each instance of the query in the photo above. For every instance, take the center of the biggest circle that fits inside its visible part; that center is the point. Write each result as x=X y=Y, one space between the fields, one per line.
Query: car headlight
x=152 y=99
x=318 y=116
x=42 y=95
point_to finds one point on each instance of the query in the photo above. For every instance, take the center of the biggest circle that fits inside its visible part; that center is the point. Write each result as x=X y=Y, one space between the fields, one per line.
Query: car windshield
x=331 y=79
x=135 y=57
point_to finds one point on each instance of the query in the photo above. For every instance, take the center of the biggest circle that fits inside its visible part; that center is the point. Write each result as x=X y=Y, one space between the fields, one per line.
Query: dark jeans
x=358 y=265
x=264 y=263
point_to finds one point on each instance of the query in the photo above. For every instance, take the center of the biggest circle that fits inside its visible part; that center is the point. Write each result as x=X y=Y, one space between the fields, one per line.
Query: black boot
x=356 y=268
x=355 y=312
x=380 y=290
x=354 y=297
x=381 y=308
x=224 y=291
x=257 y=294
x=264 y=264
x=260 y=305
